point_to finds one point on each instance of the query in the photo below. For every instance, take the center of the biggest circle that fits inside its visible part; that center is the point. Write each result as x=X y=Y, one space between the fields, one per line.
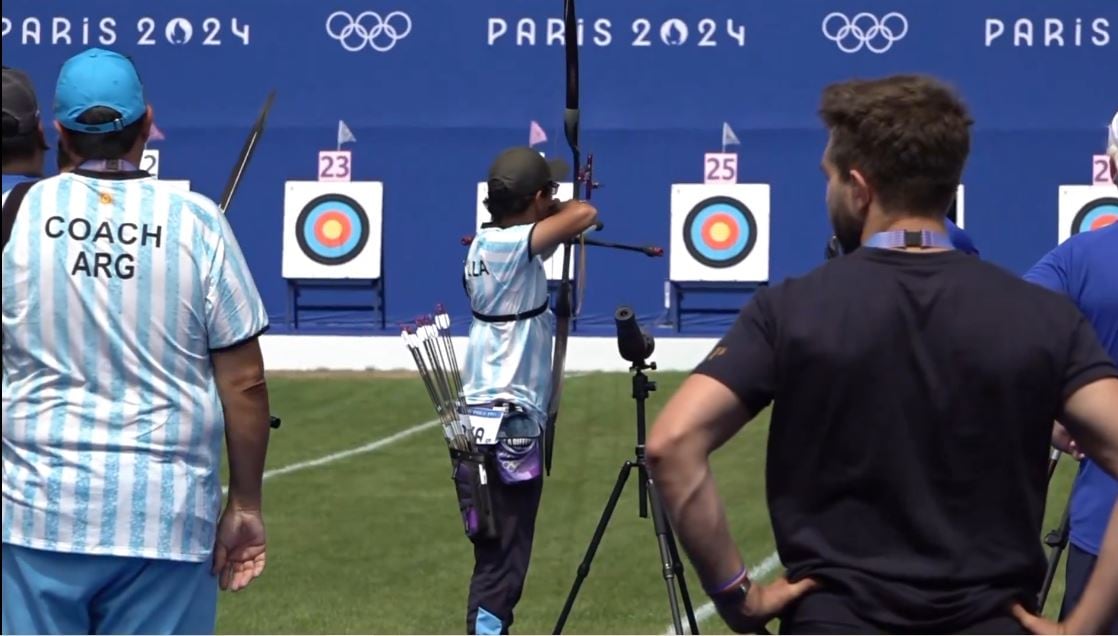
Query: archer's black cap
x=21 y=108
x=521 y=171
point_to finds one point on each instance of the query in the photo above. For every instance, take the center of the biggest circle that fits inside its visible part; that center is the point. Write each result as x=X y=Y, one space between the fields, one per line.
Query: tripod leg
x=668 y=557
x=687 y=606
x=1057 y=540
x=592 y=549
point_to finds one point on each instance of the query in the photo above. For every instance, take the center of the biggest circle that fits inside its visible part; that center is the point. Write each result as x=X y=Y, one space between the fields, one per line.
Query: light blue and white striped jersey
x=115 y=291
x=508 y=360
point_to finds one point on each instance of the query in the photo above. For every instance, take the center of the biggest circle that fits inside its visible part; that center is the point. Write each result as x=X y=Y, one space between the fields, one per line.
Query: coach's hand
x=239 y=551
x=764 y=603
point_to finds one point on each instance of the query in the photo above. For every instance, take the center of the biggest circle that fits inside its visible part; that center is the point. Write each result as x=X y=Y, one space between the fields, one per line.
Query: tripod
x=672 y=566
x=1056 y=539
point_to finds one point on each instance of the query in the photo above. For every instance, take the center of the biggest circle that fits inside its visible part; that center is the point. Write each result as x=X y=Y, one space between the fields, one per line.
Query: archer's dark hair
x=502 y=205
x=17 y=147
x=908 y=134
x=110 y=145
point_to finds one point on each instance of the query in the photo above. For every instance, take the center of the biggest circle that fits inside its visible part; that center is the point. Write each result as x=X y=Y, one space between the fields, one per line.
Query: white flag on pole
x=728 y=137
x=344 y=134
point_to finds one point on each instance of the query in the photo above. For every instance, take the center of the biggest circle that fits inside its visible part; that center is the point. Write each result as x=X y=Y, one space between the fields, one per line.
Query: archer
x=508 y=365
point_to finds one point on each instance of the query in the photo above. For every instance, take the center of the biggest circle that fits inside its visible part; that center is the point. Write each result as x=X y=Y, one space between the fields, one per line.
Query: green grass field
x=372 y=543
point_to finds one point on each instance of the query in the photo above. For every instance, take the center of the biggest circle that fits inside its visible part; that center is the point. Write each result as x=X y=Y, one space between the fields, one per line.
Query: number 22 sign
x=335 y=165
x=720 y=167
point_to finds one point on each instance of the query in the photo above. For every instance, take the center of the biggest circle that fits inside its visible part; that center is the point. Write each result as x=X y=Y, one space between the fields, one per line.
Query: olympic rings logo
x=368 y=29
x=864 y=30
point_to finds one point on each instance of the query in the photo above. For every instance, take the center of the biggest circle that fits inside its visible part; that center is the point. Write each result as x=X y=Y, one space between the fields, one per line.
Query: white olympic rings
x=368 y=29
x=865 y=30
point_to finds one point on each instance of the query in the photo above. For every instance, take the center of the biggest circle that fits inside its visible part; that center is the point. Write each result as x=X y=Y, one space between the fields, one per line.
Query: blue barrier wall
x=658 y=79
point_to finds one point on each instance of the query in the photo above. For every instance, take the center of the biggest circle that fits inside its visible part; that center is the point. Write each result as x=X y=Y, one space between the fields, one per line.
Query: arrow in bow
x=585 y=177
x=234 y=182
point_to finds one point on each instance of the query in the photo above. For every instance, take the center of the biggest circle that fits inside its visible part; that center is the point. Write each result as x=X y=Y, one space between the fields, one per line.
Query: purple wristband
x=731 y=584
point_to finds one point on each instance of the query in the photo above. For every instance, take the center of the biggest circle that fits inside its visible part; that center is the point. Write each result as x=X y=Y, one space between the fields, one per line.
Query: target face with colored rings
x=332 y=229
x=720 y=232
x=1095 y=215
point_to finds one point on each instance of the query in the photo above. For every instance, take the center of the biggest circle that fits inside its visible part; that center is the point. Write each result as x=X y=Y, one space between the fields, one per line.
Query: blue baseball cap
x=98 y=77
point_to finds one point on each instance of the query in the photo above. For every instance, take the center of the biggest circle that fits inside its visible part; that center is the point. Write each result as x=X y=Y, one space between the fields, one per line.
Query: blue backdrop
x=432 y=106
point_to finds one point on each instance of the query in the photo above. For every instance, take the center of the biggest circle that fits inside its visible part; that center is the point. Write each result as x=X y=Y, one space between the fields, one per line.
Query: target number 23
x=335 y=165
x=720 y=167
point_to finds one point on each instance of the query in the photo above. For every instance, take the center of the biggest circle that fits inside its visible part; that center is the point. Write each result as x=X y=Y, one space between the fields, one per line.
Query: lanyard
x=108 y=165
x=909 y=238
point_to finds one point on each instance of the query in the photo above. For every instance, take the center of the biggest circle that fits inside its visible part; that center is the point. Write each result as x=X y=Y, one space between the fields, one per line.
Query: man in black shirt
x=913 y=391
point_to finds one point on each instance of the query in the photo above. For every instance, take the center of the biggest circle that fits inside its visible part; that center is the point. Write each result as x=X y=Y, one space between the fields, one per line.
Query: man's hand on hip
x=239 y=550
x=763 y=603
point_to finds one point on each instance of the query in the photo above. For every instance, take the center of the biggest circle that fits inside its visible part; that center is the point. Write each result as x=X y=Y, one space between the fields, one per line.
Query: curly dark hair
x=909 y=135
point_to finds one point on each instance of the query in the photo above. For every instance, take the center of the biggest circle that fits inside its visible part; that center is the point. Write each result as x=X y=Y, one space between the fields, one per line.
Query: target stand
x=332 y=256
x=719 y=246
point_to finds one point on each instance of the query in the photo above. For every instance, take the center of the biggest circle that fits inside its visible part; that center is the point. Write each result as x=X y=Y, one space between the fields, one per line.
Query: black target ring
x=332 y=229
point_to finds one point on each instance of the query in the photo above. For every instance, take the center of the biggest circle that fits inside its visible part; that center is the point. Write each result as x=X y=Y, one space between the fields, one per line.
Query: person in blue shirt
x=1085 y=268
x=24 y=146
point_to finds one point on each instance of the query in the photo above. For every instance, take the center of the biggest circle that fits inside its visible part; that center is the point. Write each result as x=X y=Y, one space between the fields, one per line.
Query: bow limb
x=563 y=307
x=246 y=154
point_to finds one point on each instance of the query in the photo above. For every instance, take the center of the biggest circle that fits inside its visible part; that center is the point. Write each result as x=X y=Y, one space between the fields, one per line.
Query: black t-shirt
x=913 y=400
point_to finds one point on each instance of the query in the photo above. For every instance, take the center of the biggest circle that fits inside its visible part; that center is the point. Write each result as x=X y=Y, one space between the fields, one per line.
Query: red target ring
x=332 y=229
x=720 y=231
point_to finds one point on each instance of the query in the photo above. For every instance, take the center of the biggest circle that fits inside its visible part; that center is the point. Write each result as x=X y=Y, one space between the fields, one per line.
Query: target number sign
x=720 y=167
x=149 y=162
x=1100 y=170
x=335 y=165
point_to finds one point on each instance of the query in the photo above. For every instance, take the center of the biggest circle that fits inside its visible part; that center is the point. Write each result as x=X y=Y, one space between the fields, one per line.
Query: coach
x=913 y=390
x=1085 y=269
x=130 y=324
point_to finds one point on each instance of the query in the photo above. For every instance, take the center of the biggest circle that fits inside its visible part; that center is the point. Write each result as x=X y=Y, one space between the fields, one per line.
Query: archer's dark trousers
x=501 y=565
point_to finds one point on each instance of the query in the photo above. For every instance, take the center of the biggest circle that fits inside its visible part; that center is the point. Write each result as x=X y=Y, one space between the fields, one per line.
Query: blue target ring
x=1095 y=215
x=332 y=229
x=720 y=232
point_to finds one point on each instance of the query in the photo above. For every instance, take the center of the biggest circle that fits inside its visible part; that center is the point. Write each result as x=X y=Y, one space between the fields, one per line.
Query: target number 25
x=720 y=167
x=335 y=165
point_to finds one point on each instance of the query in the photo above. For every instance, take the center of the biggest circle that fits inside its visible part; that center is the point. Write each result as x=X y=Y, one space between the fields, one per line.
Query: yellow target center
x=720 y=232
x=332 y=229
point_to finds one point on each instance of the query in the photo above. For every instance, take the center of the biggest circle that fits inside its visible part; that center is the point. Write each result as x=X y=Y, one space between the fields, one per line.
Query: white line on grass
x=706 y=610
x=359 y=450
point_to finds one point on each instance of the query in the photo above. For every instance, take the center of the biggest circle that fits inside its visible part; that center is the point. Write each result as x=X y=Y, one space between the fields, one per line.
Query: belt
x=524 y=315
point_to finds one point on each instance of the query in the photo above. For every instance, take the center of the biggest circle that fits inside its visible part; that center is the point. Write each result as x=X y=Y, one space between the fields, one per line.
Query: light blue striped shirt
x=508 y=360
x=115 y=292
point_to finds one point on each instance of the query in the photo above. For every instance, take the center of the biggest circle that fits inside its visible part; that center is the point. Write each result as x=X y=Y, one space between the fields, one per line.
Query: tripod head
x=633 y=343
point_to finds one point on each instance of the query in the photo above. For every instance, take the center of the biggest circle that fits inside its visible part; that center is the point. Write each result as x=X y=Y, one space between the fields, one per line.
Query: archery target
x=720 y=232
x=1084 y=208
x=552 y=266
x=332 y=229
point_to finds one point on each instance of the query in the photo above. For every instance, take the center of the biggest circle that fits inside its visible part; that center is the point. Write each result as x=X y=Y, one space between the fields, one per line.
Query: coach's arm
x=239 y=550
x=239 y=374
